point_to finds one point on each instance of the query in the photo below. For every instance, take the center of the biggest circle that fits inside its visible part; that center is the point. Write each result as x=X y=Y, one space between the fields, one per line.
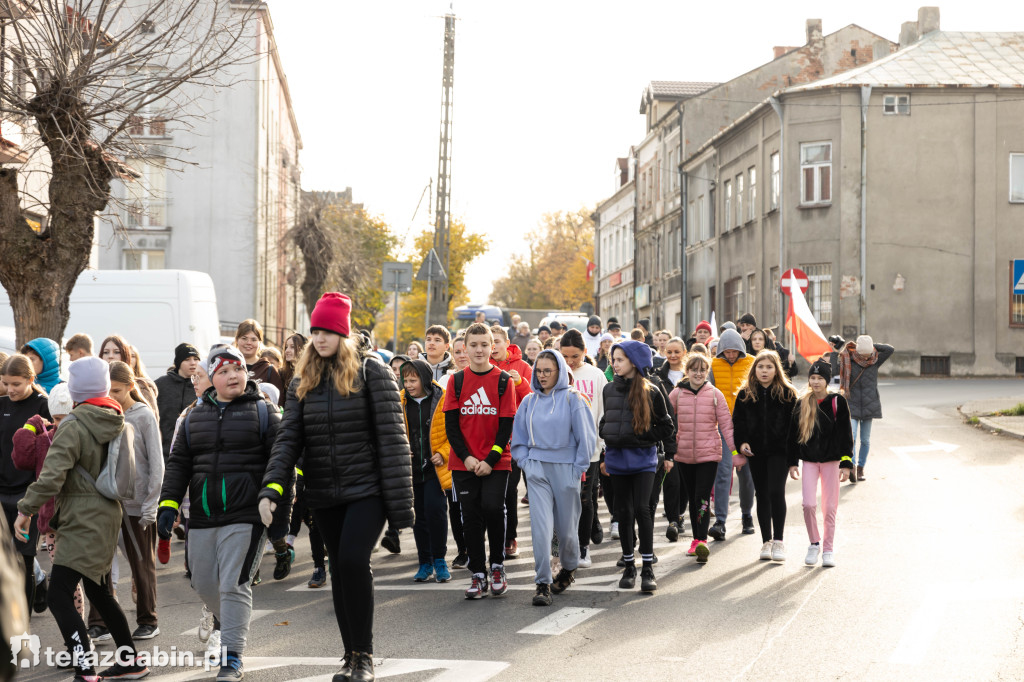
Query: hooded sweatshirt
x=589 y=381
x=440 y=369
x=514 y=361
x=726 y=376
x=262 y=371
x=539 y=432
x=424 y=423
x=593 y=342
x=149 y=462
x=14 y=415
x=49 y=351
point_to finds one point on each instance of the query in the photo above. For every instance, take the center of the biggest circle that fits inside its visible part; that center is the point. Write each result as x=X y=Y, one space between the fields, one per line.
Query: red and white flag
x=591 y=266
x=809 y=340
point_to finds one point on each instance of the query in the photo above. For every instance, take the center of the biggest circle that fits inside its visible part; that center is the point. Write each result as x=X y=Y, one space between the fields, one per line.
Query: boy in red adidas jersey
x=479 y=416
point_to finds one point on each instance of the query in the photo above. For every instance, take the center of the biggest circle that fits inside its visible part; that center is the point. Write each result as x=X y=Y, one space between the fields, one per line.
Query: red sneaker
x=512 y=550
x=693 y=548
x=163 y=550
x=499 y=583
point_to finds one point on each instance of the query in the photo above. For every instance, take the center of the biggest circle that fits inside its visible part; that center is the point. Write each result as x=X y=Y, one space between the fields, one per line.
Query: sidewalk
x=985 y=412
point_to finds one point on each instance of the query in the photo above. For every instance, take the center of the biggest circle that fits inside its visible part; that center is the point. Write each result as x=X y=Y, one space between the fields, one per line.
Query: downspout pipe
x=684 y=300
x=777 y=106
x=865 y=99
x=636 y=229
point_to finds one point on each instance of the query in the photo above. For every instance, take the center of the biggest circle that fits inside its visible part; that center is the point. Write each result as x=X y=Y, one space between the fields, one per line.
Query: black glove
x=165 y=521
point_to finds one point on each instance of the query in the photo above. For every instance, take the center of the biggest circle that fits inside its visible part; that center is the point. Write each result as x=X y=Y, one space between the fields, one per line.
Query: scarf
x=105 y=402
x=847 y=357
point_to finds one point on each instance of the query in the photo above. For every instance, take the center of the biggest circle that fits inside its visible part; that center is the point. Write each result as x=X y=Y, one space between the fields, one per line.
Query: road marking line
x=924 y=412
x=922 y=627
x=560 y=622
x=449 y=670
x=256 y=613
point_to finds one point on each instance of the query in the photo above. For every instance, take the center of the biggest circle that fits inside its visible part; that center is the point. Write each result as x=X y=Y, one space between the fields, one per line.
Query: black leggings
x=483 y=508
x=587 y=498
x=632 y=504
x=61 y=600
x=455 y=522
x=769 y=474
x=698 y=480
x=675 y=494
x=609 y=496
x=350 y=532
x=303 y=514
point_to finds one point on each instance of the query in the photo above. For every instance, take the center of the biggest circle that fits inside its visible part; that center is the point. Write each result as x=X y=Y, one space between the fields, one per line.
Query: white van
x=154 y=310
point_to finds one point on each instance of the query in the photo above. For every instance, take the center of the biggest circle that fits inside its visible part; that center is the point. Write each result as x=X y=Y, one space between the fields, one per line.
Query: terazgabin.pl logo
x=25 y=650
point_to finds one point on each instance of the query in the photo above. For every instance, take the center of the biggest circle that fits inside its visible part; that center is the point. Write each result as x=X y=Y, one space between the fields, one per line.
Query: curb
x=999 y=430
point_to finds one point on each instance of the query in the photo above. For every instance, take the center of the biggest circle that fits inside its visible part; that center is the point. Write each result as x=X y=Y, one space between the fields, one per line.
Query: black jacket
x=762 y=424
x=175 y=394
x=832 y=439
x=220 y=460
x=353 y=447
x=616 y=426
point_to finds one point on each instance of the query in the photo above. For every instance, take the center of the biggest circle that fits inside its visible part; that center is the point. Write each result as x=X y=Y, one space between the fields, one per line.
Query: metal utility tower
x=438 y=293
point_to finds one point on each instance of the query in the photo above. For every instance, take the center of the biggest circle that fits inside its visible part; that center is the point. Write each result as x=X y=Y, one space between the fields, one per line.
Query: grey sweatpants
x=555 y=506
x=223 y=562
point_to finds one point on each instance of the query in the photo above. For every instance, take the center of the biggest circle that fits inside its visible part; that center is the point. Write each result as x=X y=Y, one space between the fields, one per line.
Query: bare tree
x=80 y=78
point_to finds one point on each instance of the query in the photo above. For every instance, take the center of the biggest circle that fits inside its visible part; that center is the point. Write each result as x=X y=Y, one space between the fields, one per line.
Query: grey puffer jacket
x=353 y=446
x=865 y=403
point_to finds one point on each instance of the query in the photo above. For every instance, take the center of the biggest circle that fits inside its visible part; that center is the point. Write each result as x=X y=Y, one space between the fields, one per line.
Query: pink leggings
x=828 y=472
x=51 y=542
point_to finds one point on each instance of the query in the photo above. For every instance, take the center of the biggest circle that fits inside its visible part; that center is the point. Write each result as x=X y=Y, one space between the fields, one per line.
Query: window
x=773 y=275
x=136 y=259
x=700 y=226
x=643 y=189
x=733 y=299
x=751 y=289
x=776 y=181
x=934 y=366
x=739 y=200
x=752 y=204
x=728 y=202
x=896 y=105
x=145 y=197
x=816 y=173
x=819 y=291
x=696 y=312
x=1017 y=178
x=692 y=226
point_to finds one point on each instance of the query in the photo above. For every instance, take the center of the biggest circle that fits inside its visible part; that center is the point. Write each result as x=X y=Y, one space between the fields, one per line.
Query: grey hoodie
x=441 y=368
x=149 y=462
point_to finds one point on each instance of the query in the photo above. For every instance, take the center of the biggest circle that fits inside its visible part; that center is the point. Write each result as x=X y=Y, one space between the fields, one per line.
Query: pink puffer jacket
x=700 y=416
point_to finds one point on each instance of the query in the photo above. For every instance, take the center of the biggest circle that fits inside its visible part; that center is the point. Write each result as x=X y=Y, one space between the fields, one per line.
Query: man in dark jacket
x=176 y=392
x=220 y=456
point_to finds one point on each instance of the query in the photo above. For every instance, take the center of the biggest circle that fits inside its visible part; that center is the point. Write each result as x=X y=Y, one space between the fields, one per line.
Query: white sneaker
x=812 y=555
x=615 y=530
x=766 y=551
x=268 y=548
x=205 y=625
x=778 y=551
x=585 y=560
x=828 y=560
x=213 y=651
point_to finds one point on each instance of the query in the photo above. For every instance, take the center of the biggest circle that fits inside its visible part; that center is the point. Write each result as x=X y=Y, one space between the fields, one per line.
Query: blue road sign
x=1018 y=276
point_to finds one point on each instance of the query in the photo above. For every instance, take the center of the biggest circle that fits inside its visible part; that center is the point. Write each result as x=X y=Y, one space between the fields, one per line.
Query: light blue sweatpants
x=555 y=507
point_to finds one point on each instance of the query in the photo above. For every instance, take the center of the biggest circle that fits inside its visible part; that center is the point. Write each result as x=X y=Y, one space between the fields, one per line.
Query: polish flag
x=809 y=340
x=591 y=266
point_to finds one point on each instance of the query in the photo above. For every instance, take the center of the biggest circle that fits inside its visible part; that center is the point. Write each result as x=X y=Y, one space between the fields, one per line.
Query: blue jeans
x=723 y=481
x=865 y=438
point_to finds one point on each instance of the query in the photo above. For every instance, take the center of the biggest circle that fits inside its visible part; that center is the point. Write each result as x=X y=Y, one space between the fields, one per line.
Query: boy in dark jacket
x=220 y=456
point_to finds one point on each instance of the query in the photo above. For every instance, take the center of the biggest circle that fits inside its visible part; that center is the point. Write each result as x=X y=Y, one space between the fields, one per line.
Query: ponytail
x=122 y=373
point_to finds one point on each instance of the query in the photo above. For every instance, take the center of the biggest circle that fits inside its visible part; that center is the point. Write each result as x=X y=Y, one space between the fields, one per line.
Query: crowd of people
x=234 y=452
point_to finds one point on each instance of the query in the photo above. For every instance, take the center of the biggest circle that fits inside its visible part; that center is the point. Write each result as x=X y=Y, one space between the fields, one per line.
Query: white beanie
x=865 y=345
x=60 y=400
x=270 y=390
x=88 y=378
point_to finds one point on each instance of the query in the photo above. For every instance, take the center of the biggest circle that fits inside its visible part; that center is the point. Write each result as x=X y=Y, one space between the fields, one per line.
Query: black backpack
x=460 y=378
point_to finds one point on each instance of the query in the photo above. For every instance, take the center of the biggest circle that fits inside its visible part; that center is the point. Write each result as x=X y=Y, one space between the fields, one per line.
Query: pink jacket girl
x=700 y=417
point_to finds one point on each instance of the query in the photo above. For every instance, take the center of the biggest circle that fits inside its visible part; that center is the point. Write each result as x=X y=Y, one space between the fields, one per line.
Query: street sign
x=1018 y=276
x=794 y=274
x=431 y=269
x=397 y=277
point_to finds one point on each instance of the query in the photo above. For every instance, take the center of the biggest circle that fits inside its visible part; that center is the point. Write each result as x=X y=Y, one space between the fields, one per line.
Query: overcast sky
x=547 y=94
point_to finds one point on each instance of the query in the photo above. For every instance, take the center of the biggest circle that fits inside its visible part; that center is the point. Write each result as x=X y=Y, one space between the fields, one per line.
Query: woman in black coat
x=343 y=414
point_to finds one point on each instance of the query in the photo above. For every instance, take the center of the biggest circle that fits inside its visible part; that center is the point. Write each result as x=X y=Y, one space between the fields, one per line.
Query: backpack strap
x=261 y=408
x=503 y=379
x=835 y=399
x=188 y=432
x=460 y=378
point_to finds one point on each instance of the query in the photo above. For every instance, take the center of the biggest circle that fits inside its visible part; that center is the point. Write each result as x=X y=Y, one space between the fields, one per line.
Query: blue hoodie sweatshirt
x=539 y=432
x=49 y=351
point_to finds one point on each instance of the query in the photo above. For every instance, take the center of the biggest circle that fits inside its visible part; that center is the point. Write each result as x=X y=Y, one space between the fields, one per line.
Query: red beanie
x=331 y=313
x=704 y=324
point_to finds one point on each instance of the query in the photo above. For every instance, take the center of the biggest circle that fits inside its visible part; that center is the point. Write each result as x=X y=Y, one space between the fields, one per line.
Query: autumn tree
x=412 y=310
x=554 y=274
x=343 y=248
x=78 y=77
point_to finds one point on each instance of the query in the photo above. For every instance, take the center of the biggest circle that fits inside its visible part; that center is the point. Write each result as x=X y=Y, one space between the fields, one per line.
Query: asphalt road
x=929 y=586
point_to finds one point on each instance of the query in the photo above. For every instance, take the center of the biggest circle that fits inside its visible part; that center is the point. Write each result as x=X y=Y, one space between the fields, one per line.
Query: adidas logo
x=478 y=404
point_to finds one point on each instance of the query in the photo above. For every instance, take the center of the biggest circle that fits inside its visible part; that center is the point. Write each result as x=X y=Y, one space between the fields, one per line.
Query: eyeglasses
x=700 y=372
x=544 y=372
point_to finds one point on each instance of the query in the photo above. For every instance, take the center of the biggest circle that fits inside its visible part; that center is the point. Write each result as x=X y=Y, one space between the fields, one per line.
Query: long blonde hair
x=342 y=368
x=781 y=389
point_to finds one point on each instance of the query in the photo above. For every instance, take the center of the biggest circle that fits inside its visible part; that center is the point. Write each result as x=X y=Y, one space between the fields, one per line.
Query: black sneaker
x=319 y=578
x=748 y=525
x=99 y=634
x=597 y=533
x=231 y=670
x=461 y=561
x=543 y=595
x=362 y=667
x=621 y=563
x=628 y=580
x=284 y=563
x=672 y=532
x=179 y=532
x=647 y=582
x=717 y=531
x=40 y=601
x=124 y=672
x=345 y=674
x=146 y=632
x=391 y=543
x=562 y=581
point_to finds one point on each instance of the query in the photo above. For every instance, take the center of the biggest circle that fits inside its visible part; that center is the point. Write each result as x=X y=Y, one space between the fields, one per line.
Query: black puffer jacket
x=616 y=426
x=353 y=447
x=220 y=460
x=832 y=439
x=762 y=424
x=175 y=394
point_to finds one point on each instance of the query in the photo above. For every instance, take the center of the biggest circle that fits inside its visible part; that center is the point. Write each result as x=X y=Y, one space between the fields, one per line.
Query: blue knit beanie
x=639 y=353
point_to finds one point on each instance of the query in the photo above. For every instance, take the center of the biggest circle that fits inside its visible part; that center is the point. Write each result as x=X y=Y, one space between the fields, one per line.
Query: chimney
x=908 y=34
x=927 y=20
x=814 y=37
x=879 y=49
